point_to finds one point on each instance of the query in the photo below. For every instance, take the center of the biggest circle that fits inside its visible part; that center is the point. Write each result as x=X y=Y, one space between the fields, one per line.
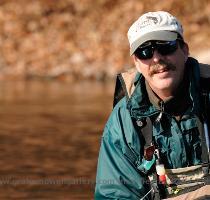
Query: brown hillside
x=69 y=39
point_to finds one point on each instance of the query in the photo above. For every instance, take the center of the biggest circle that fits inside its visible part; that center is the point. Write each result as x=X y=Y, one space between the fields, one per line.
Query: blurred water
x=49 y=138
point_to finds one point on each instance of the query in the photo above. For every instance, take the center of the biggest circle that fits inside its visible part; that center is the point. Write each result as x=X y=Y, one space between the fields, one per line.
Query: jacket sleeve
x=117 y=176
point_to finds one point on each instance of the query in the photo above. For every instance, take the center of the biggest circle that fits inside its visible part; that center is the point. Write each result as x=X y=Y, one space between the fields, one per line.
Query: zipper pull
x=159 y=117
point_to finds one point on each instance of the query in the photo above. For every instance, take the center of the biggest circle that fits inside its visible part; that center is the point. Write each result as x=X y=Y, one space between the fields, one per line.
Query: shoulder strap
x=119 y=92
x=146 y=131
x=204 y=70
x=124 y=85
x=205 y=132
x=204 y=155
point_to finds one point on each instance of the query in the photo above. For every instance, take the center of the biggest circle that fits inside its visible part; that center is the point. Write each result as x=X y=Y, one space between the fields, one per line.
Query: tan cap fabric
x=158 y=25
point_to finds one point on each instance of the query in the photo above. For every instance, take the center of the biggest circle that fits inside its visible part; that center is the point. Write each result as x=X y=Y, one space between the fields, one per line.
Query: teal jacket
x=121 y=151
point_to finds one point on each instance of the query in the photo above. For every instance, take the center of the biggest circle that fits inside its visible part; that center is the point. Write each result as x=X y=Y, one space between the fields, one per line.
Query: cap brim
x=155 y=35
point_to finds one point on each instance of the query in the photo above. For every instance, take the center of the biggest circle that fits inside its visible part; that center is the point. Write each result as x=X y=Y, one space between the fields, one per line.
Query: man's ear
x=136 y=62
x=186 y=51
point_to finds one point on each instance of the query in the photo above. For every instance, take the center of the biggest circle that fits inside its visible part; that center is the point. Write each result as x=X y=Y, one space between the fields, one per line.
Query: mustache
x=161 y=65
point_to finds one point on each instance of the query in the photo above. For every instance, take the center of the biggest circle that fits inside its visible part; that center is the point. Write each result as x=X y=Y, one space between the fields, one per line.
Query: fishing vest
x=181 y=180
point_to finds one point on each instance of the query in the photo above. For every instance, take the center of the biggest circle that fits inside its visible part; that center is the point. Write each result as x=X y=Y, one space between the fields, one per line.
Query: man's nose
x=156 y=56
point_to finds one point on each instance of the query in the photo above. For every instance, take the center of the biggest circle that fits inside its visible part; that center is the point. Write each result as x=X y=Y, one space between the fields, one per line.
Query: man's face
x=163 y=72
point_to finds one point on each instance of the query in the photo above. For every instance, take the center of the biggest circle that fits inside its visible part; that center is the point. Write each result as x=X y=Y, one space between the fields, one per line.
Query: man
x=155 y=132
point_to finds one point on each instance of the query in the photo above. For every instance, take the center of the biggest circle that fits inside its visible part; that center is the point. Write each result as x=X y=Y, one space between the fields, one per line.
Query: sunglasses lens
x=167 y=48
x=144 y=53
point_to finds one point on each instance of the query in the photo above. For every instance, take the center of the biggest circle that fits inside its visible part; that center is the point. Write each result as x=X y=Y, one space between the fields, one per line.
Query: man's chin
x=164 y=83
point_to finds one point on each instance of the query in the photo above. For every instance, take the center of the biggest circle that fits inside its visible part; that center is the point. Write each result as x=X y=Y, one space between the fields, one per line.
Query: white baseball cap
x=158 y=25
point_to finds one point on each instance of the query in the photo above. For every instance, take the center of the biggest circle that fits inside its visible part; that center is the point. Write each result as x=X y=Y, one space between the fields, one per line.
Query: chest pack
x=176 y=181
x=167 y=183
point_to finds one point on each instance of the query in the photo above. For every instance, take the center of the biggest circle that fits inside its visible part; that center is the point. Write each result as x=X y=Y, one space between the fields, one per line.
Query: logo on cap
x=148 y=21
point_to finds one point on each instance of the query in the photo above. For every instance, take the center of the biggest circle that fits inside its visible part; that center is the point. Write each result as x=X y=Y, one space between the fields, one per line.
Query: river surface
x=49 y=138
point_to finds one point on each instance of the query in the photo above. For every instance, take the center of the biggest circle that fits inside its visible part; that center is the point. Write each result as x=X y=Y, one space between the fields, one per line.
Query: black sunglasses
x=164 y=48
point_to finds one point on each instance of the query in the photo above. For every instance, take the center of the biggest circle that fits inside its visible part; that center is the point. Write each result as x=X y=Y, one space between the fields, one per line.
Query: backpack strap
x=144 y=126
x=119 y=91
x=204 y=71
x=204 y=124
x=205 y=132
x=204 y=149
x=124 y=85
x=205 y=105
